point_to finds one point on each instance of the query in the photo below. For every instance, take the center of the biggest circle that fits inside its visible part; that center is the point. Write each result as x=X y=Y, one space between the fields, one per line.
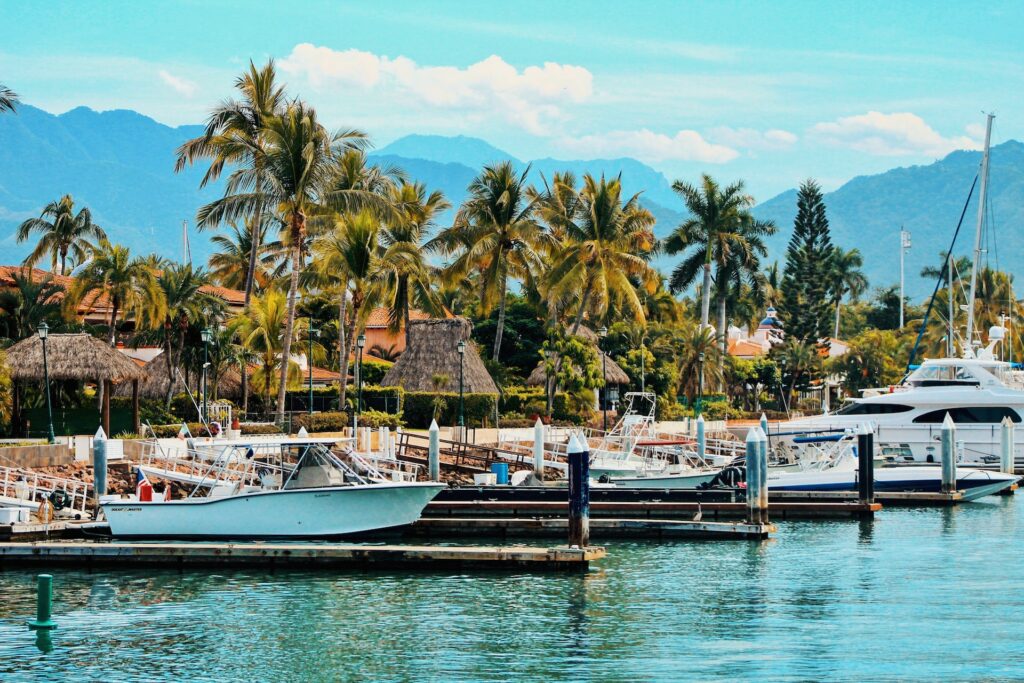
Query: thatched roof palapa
x=155 y=380
x=613 y=373
x=433 y=351
x=70 y=357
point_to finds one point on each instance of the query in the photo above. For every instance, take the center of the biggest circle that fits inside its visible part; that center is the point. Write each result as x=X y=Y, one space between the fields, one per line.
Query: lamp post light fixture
x=700 y=383
x=602 y=333
x=44 y=332
x=311 y=332
x=207 y=336
x=461 y=347
x=360 y=342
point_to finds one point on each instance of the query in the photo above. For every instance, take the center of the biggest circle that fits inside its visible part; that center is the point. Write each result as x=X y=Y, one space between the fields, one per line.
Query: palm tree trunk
x=289 y=327
x=705 y=297
x=243 y=367
x=407 y=308
x=501 y=319
x=254 y=248
x=63 y=260
x=838 y=305
x=112 y=335
x=357 y=305
x=169 y=358
x=342 y=349
x=575 y=328
x=723 y=332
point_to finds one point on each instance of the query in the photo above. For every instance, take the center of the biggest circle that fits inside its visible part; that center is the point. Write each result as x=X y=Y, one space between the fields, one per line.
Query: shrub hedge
x=333 y=421
x=418 y=408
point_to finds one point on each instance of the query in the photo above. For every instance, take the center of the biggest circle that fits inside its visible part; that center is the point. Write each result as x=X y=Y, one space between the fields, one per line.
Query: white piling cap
x=700 y=418
x=864 y=428
x=764 y=418
x=761 y=436
x=302 y=433
x=100 y=435
x=948 y=422
x=434 y=427
x=752 y=436
x=184 y=429
x=1007 y=422
x=574 y=445
x=538 y=424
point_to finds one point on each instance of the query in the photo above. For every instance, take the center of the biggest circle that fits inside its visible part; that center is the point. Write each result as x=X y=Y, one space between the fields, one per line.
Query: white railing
x=25 y=488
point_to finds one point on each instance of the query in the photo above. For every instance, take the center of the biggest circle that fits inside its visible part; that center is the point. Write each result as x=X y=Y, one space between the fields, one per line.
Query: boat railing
x=25 y=485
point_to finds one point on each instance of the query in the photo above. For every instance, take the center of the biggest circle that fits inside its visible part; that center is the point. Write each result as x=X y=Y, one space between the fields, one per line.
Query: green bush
x=150 y=410
x=373 y=370
x=418 y=409
x=720 y=410
x=259 y=428
x=671 y=411
x=378 y=418
x=334 y=421
x=376 y=397
x=167 y=431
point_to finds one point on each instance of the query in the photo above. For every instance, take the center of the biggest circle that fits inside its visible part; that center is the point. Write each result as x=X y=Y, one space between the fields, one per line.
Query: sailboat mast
x=969 y=342
x=950 y=345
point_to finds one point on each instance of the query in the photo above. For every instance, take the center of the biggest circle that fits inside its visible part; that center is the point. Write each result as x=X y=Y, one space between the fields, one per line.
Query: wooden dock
x=123 y=555
x=648 y=510
x=602 y=528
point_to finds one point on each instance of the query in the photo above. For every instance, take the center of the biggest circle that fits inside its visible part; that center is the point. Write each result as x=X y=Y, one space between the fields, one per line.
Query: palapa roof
x=70 y=356
x=155 y=380
x=613 y=373
x=433 y=351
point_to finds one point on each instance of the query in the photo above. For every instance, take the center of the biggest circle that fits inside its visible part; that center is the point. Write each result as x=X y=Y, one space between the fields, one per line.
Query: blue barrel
x=500 y=469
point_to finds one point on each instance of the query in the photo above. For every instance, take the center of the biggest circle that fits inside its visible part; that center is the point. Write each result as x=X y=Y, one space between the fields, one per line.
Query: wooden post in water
x=701 y=441
x=1006 y=463
x=434 y=452
x=948 y=455
x=757 y=466
x=538 y=449
x=579 y=494
x=866 y=464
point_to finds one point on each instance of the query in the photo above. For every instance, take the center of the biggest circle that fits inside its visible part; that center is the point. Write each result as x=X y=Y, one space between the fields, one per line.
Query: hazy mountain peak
x=460 y=149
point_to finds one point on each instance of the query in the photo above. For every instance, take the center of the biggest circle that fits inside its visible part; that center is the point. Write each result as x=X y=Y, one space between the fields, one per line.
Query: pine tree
x=805 y=285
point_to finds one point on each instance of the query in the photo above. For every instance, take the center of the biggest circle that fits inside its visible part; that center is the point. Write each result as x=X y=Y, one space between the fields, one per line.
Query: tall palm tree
x=410 y=277
x=66 y=233
x=229 y=263
x=127 y=282
x=351 y=252
x=494 y=232
x=261 y=329
x=29 y=302
x=296 y=157
x=182 y=303
x=606 y=246
x=720 y=223
x=847 y=279
x=692 y=342
x=8 y=99
x=235 y=136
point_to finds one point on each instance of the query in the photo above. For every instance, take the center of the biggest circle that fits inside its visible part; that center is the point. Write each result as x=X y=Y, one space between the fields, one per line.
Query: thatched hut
x=432 y=351
x=155 y=381
x=80 y=357
x=613 y=374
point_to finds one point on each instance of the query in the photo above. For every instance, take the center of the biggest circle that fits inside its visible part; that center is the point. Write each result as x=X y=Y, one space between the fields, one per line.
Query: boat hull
x=294 y=513
x=669 y=481
x=973 y=483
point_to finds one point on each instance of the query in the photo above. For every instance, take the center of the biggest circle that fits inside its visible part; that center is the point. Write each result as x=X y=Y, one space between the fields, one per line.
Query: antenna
x=969 y=351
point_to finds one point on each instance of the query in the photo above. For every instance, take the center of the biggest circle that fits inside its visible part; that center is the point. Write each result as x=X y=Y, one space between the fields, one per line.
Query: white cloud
x=531 y=98
x=646 y=145
x=752 y=139
x=896 y=134
x=181 y=85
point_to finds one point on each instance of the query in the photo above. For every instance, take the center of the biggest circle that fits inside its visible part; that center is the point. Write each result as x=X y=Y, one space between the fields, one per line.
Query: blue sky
x=768 y=92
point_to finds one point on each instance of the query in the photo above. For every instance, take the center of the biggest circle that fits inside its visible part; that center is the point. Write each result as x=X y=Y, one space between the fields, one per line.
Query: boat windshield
x=942 y=375
x=859 y=408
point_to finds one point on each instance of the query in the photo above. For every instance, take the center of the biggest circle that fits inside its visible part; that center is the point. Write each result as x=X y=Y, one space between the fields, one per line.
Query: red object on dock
x=145 y=491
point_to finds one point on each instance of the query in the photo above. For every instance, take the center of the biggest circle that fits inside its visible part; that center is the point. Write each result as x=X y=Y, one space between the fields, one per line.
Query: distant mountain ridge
x=121 y=164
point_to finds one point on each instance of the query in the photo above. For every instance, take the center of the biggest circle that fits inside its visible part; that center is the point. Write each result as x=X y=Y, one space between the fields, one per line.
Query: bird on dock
x=699 y=514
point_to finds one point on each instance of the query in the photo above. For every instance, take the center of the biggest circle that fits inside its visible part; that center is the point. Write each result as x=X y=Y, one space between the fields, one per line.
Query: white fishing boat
x=288 y=488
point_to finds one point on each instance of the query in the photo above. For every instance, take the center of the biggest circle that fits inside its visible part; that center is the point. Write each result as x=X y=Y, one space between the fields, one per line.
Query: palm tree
x=182 y=304
x=67 y=233
x=351 y=253
x=296 y=158
x=29 y=302
x=234 y=136
x=494 y=233
x=128 y=284
x=720 y=224
x=847 y=278
x=8 y=99
x=229 y=264
x=410 y=277
x=695 y=340
x=261 y=329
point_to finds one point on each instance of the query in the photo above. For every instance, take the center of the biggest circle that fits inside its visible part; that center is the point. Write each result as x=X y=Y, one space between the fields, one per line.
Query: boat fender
x=604 y=479
x=59 y=499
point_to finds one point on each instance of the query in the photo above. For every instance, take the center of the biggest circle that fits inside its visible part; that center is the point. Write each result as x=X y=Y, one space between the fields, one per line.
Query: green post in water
x=44 y=604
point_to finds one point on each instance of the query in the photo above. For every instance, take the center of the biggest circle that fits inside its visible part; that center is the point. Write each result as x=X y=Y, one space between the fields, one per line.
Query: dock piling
x=948 y=455
x=757 y=466
x=99 y=463
x=1006 y=446
x=434 y=452
x=866 y=464
x=538 y=449
x=44 y=604
x=701 y=440
x=579 y=493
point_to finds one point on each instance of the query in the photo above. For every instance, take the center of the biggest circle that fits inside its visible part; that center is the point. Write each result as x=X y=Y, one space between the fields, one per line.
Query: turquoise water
x=917 y=594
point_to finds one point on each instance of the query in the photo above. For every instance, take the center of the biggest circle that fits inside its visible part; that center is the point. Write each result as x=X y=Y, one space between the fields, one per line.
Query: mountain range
x=120 y=164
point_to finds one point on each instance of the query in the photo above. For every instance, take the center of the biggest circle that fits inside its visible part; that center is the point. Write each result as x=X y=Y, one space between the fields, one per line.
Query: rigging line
x=942 y=276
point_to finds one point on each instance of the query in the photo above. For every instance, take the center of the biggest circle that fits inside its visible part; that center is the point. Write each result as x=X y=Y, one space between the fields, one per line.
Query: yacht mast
x=950 y=345
x=969 y=342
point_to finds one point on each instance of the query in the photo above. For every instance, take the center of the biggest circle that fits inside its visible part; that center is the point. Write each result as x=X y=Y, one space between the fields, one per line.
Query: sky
x=771 y=93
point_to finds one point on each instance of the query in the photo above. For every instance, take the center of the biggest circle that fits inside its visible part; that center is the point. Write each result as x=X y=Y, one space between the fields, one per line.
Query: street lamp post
x=461 y=346
x=602 y=333
x=207 y=337
x=700 y=383
x=44 y=331
x=360 y=342
x=309 y=362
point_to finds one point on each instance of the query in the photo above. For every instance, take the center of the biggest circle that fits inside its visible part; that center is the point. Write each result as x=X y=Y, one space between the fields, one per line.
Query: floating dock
x=122 y=555
x=658 y=529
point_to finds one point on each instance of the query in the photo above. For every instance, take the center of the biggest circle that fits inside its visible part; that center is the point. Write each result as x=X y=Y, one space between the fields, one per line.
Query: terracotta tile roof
x=229 y=296
x=745 y=348
x=97 y=300
x=379 y=316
